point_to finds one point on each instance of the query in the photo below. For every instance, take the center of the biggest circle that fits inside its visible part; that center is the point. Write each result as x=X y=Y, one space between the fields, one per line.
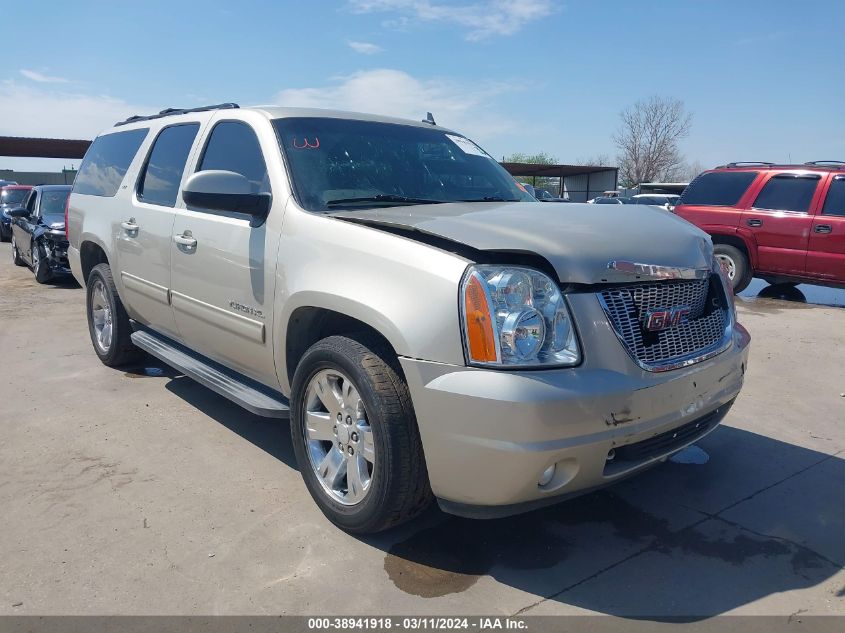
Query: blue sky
x=764 y=80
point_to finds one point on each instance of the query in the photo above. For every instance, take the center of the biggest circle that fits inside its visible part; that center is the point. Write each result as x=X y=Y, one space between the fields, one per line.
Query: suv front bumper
x=489 y=435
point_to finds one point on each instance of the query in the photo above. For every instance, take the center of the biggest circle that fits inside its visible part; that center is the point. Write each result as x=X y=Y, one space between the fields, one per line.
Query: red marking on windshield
x=306 y=144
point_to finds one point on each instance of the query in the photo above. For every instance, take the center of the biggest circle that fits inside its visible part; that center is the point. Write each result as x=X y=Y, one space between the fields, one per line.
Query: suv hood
x=578 y=240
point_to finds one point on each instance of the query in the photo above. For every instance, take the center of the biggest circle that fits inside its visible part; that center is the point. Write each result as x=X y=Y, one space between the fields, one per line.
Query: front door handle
x=129 y=226
x=823 y=228
x=186 y=239
x=754 y=222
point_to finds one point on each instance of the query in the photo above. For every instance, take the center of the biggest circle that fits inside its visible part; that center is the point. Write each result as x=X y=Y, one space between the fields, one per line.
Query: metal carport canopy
x=20 y=147
x=552 y=171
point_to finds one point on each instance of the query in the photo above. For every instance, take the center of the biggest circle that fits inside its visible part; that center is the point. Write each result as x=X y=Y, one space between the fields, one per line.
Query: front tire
x=738 y=266
x=40 y=266
x=355 y=435
x=16 y=256
x=108 y=323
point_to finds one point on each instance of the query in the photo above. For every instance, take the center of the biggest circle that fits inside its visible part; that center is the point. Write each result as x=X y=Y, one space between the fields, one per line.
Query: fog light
x=547 y=475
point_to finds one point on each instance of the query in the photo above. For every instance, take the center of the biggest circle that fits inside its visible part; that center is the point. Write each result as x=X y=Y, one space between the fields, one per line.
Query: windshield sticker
x=466 y=145
x=306 y=144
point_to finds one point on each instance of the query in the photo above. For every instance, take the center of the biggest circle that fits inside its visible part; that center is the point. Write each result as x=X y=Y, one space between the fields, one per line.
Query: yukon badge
x=657 y=320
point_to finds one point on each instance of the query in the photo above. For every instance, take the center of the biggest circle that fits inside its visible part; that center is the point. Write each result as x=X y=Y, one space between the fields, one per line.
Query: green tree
x=542 y=158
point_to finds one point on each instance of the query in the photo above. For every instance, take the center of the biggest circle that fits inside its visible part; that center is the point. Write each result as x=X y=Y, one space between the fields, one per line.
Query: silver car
x=429 y=328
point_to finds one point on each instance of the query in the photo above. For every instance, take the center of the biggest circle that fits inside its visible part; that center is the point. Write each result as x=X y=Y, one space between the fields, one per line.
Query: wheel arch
x=91 y=253
x=737 y=241
x=315 y=319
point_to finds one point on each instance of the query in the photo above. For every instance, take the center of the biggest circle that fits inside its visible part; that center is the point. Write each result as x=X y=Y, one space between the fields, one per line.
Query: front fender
x=405 y=290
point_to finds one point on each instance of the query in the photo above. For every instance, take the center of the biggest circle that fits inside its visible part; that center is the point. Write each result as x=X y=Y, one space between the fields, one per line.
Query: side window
x=787 y=192
x=161 y=176
x=30 y=203
x=835 y=202
x=718 y=188
x=106 y=162
x=233 y=146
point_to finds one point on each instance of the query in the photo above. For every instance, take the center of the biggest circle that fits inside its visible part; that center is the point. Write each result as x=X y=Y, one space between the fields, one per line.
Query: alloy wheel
x=730 y=265
x=101 y=316
x=339 y=437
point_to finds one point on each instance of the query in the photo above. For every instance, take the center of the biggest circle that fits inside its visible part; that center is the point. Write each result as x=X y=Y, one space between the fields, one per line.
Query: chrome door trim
x=218 y=317
x=145 y=288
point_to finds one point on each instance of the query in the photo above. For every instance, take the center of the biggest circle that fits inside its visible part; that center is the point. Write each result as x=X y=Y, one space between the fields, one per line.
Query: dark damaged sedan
x=38 y=232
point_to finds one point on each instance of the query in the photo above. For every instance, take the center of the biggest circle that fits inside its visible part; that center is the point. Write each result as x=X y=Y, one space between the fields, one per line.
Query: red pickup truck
x=781 y=223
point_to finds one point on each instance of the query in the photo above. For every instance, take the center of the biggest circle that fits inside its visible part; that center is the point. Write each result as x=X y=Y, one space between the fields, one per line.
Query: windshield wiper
x=383 y=198
x=491 y=199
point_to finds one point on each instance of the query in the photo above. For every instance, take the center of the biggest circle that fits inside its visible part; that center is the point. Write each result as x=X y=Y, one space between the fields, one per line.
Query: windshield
x=53 y=202
x=13 y=196
x=344 y=164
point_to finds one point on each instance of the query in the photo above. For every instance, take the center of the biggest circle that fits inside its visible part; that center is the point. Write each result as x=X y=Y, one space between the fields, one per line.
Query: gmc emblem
x=657 y=320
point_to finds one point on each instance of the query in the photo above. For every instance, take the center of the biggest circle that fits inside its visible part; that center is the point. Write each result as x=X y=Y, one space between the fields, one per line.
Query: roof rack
x=822 y=163
x=749 y=163
x=175 y=111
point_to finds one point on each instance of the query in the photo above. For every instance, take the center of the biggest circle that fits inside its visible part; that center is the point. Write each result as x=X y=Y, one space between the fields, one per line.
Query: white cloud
x=365 y=48
x=41 y=78
x=482 y=18
x=463 y=106
x=44 y=112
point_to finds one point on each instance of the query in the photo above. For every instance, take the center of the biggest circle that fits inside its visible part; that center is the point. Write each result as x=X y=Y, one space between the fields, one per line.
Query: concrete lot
x=128 y=493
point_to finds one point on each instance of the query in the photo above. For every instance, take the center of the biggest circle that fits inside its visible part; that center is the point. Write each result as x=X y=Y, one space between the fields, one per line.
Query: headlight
x=722 y=268
x=516 y=316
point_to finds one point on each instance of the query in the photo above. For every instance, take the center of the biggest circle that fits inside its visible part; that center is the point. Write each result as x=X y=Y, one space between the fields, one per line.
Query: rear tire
x=5 y=236
x=16 y=256
x=739 y=268
x=108 y=323
x=360 y=375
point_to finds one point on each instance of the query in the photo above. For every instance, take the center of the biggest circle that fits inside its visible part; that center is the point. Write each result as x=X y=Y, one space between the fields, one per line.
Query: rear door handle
x=129 y=226
x=754 y=222
x=823 y=228
x=186 y=239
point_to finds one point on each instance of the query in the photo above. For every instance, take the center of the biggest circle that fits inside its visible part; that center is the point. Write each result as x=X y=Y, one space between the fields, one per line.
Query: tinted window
x=106 y=162
x=162 y=175
x=787 y=193
x=53 y=201
x=13 y=196
x=718 y=188
x=233 y=146
x=835 y=202
x=30 y=202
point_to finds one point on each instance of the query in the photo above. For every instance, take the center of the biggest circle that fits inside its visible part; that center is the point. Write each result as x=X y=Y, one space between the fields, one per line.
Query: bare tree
x=691 y=170
x=648 y=139
x=599 y=160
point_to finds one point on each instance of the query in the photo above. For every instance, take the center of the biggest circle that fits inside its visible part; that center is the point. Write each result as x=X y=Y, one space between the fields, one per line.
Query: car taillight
x=67 y=207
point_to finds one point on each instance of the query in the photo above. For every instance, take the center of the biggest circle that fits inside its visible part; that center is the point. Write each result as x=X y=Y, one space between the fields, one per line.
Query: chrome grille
x=703 y=329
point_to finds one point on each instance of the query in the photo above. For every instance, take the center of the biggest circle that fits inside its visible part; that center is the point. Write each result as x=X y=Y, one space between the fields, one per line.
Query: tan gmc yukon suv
x=430 y=330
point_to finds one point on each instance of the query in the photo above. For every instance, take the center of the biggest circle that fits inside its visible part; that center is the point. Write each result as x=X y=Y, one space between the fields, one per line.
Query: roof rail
x=749 y=163
x=175 y=111
x=822 y=163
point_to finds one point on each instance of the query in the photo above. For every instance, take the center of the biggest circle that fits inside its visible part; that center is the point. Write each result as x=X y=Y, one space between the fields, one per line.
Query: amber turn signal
x=479 y=324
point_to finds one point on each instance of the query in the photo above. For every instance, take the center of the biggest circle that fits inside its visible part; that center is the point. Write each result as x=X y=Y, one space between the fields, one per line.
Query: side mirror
x=220 y=190
x=18 y=212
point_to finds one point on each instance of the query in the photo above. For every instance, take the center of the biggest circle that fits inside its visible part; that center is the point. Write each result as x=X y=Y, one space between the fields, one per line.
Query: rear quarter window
x=718 y=188
x=106 y=162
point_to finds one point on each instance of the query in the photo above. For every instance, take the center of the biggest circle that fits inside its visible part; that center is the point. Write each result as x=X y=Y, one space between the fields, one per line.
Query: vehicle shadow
x=684 y=540
x=268 y=434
